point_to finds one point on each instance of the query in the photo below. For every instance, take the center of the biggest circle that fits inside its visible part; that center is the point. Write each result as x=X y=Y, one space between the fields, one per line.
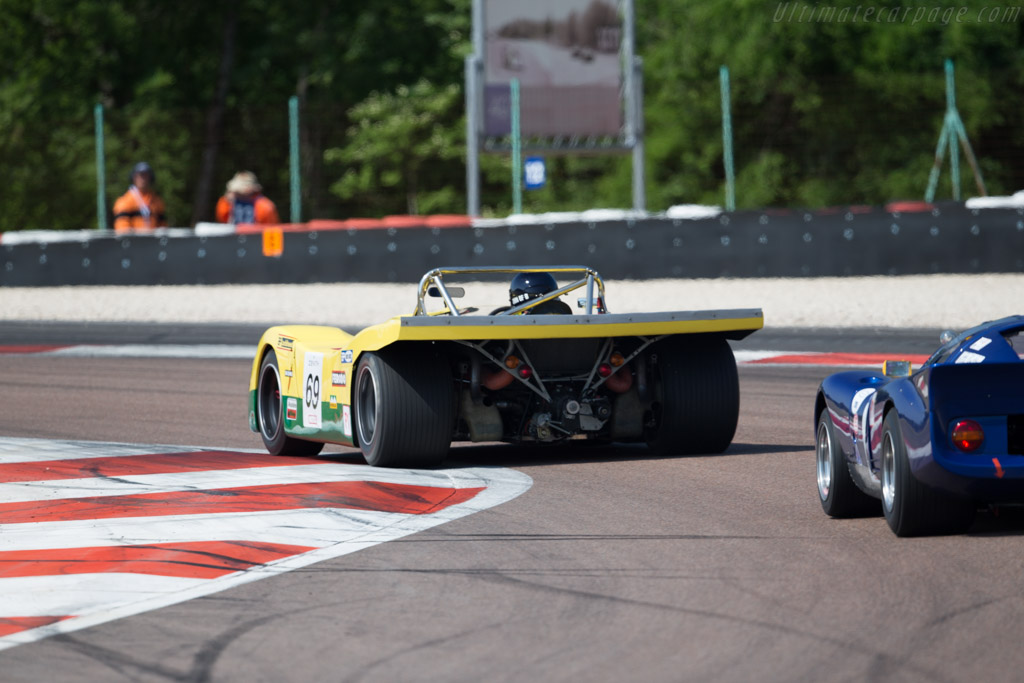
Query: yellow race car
x=531 y=371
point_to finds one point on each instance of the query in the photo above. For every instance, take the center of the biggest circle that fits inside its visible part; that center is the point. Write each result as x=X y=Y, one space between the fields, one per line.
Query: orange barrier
x=404 y=221
x=257 y=228
x=449 y=221
x=909 y=206
x=324 y=224
x=363 y=223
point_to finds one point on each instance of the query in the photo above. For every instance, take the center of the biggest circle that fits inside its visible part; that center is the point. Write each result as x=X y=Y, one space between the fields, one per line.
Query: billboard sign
x=566 y=55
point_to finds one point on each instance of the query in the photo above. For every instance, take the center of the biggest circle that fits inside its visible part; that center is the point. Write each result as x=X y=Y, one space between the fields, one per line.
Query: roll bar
x=587 y=277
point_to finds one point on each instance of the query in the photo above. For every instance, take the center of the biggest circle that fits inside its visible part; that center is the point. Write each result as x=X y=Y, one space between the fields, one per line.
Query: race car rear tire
x=837 y=492
x=270 y=414
x=910 y=507
x=404 y=408
x=696 y=397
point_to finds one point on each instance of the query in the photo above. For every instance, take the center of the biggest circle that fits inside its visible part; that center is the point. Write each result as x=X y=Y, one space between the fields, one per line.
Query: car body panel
x=314 y=380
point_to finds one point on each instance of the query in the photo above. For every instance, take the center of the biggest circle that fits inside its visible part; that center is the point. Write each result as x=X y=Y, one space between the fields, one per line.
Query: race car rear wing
x=728 y=324
x=735 y=323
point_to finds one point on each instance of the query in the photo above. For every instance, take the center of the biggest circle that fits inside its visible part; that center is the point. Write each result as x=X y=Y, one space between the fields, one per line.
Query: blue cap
x=143 y=167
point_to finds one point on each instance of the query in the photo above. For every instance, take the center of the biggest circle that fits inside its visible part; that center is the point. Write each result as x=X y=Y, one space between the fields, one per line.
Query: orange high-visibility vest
x=135 y=210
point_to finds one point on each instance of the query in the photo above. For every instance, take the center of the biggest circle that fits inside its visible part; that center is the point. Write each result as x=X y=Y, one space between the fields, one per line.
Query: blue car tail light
x=967 y=435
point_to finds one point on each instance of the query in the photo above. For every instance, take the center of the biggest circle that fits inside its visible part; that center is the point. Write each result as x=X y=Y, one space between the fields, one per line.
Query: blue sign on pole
x=534 y=173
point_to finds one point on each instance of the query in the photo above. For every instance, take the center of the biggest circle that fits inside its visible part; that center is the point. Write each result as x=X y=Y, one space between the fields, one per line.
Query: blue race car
x=932 y=445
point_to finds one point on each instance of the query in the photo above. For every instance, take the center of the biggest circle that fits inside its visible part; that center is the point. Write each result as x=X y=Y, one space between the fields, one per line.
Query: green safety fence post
x=517 y=188
x=293 y=143
x=954 y=156
x=730 y=178
x=101 y=171
x=952 y=130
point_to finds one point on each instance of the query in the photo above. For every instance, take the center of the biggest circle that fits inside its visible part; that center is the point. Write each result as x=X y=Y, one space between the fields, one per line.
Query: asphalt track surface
x=614 y=566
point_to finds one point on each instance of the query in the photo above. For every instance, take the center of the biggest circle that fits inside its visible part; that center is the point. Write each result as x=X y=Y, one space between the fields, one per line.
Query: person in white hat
x=244 y=202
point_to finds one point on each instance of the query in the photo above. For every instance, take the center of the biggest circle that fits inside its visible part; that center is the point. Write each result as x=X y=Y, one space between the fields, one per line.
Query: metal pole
x=517 y=184
x=950 y=88
x=953 y=128
x=633 y=96
x=933 y=177
x=472 y=141
x=951 y=116
x=730 y=179
x=639 y=171
x=293 y=142
x=969 y=153
x=474 y=110
x=954 y=157
x=628 y=85
x=101 y=171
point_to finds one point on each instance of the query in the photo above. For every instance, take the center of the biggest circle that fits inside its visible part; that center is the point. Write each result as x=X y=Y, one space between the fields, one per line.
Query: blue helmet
x=527 y=286
x=144 y=168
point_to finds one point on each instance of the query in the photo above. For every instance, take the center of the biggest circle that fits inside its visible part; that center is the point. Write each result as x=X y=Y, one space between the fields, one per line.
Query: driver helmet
x=527 y=286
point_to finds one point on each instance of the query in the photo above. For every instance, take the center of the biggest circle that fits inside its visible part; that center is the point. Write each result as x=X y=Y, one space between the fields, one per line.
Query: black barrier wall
x=946 y=239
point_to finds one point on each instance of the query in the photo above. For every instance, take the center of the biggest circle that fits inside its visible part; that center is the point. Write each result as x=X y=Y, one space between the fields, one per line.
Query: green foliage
x=761 y=181
x=405 y=150
x=824 y=112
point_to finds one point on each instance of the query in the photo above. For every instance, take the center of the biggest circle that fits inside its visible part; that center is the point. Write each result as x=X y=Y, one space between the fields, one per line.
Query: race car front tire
x=270 y=413
x=404 y=408
x=837 y=492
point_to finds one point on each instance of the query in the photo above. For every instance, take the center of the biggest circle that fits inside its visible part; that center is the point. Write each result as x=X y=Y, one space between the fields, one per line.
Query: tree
x=405 y=150
x=824 y=111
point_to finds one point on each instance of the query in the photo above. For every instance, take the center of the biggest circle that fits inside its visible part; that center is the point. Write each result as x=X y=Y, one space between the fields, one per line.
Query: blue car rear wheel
x=910 y=507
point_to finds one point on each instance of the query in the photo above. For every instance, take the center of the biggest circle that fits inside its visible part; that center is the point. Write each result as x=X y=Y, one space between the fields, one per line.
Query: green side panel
x=331 y=428
x=331 y=431
x=252 y=411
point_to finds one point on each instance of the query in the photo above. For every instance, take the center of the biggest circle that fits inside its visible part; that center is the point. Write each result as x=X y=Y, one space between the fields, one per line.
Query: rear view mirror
x=896 y=368
x=453 y=292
